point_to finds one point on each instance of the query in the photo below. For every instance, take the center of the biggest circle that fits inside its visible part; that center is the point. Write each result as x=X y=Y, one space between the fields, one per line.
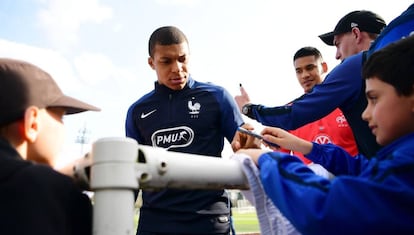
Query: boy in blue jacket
x=368 y=196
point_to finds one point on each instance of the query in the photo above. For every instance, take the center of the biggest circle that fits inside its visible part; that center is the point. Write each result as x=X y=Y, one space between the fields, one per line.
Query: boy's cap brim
x=23 y=84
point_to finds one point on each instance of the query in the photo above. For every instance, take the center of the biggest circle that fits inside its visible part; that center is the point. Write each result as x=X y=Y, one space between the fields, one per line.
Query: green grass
x=245 y=221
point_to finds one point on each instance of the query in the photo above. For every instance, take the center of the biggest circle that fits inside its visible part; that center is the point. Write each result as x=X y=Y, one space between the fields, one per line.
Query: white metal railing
x=119 y=165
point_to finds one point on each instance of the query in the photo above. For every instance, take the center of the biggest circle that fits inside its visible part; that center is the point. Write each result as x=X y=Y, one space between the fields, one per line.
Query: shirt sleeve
x=336 y=159
x=340 y=89
x=343 y=205
x=130 y=129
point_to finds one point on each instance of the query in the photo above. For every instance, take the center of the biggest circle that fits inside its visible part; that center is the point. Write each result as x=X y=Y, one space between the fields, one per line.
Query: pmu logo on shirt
x=180 y=136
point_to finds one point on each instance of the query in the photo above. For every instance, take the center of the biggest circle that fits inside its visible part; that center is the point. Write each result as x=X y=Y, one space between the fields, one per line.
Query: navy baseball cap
x=366 y=21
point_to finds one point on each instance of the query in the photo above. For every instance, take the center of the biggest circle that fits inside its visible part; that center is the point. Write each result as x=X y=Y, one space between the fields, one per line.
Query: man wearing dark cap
x=354 y=33
x=35 y=199
x=343 y=87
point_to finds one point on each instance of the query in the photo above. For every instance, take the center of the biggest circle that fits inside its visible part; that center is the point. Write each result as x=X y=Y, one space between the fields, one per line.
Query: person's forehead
x=305 y=61
x=56 y=112
x=374 y=83
x=173 y=49
x=339 y=38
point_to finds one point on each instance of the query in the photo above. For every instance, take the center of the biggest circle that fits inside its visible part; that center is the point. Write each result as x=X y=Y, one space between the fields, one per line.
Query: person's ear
x=324 y=67
x=357 y=34
x=31 y=123
x=151 y=62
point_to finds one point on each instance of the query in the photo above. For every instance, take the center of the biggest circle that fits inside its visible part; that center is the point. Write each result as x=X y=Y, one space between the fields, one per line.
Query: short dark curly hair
x=307 y=51
x=166 y=35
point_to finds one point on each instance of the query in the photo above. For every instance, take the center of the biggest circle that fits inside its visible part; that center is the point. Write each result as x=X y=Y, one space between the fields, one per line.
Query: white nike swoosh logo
x=144 y=115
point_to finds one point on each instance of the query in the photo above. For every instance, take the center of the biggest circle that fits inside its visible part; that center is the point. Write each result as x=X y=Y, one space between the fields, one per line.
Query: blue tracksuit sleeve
x=130 y=128
x=342 y=164
x=376 y=201
x=341 y=88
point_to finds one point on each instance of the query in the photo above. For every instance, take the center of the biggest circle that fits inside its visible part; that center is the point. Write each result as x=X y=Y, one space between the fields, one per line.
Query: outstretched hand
x=286 y=140
x=243 y=98
x=273 y=135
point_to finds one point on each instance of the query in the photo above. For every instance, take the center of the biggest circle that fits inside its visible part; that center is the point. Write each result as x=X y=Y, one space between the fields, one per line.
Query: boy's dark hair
x=166 y=35
x=307 y=51
x=393 y=64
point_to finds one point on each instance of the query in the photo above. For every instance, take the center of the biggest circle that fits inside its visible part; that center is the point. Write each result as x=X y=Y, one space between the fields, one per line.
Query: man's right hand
x=244 y=141
x=242 y=99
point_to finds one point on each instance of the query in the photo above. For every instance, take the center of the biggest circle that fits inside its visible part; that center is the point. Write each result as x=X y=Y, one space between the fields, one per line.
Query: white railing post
x=113 y=180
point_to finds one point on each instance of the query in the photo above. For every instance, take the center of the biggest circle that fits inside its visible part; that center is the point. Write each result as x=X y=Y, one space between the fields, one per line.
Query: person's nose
x=366 y=113
x=177 y=67
x=338 y=55
x=304 y=75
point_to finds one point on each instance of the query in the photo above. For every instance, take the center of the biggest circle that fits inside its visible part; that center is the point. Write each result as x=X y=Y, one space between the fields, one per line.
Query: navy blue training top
x=193 y=120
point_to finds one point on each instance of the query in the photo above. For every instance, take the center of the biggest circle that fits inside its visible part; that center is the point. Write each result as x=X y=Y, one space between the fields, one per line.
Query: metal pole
x=158 y=169
x=113 y=179
x=120 y=165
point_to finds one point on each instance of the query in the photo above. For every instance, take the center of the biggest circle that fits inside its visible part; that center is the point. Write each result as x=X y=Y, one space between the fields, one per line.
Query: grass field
x=245 y=222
